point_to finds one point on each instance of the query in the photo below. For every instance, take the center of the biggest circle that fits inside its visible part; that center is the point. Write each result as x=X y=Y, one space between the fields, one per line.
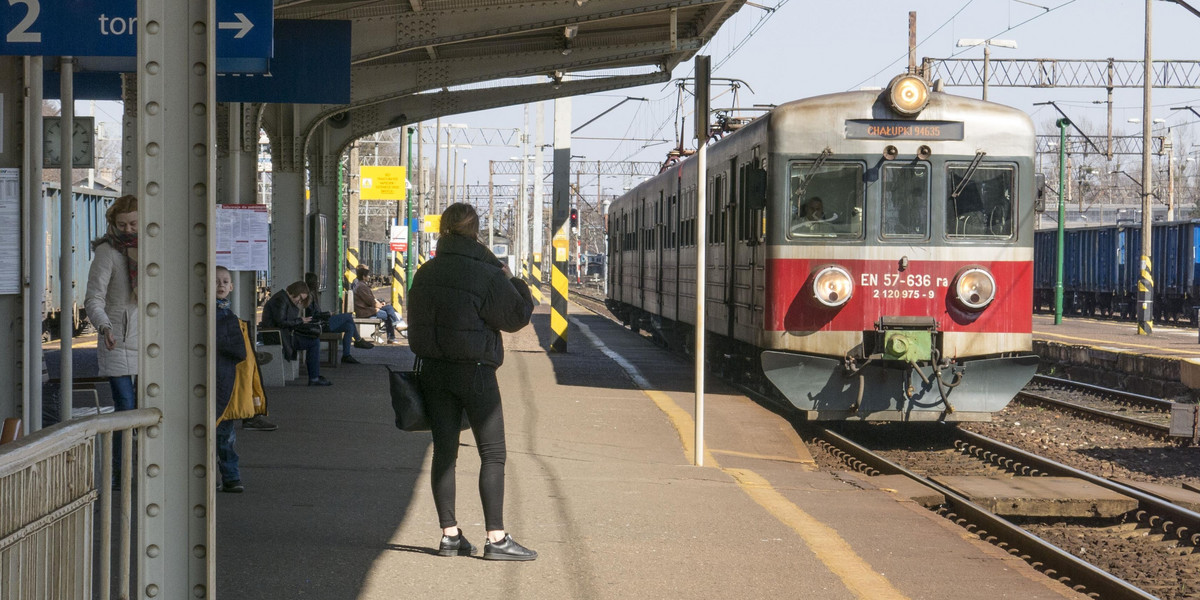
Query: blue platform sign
x=245 y=29
x=311 y=66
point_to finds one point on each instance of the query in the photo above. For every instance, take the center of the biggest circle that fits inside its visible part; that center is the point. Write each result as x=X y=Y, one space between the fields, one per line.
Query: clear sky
x=804 y=48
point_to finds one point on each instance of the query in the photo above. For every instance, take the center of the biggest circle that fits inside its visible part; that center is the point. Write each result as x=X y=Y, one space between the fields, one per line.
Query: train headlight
x=832 y=286
x=974 y=288
x=908 y=94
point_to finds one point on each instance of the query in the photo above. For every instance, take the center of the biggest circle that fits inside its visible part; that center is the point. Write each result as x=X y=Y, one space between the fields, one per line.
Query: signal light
x=574 y=218
x=832 y=286
x=908 y=95
x=974 y=288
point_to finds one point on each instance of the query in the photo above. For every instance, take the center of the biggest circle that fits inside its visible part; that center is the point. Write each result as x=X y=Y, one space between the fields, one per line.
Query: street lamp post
x=987 y=54
x=1145 y=278
x=1062 y=124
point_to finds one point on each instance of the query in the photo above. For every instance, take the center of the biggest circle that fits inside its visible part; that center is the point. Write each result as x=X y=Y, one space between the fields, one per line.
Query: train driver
x=813 y=210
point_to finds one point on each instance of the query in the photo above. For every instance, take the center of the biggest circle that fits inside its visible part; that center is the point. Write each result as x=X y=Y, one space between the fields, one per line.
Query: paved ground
x=1119 y=336
x=600 y=482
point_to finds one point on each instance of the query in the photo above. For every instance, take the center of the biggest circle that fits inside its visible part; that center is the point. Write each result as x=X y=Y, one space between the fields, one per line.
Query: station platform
x=600 y=482
x=1164 y=364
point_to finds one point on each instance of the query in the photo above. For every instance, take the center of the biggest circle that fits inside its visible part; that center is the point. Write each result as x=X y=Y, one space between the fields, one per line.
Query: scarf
x=127 y=245
x=223 y=304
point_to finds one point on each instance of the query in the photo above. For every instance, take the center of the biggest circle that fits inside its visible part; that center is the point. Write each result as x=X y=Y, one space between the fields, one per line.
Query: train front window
x=905 y=201
x=825 y=199
x=980 y=203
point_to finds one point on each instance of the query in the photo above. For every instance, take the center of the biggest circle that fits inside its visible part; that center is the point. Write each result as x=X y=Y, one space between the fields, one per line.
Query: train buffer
x=599 y=480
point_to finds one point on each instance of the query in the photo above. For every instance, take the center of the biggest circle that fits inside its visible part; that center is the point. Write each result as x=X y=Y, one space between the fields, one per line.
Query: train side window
x=905 y=201
x=984 y=203
x=825 y=200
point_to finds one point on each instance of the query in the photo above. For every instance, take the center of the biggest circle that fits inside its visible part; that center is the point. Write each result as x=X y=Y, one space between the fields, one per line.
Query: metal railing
x=48 y=515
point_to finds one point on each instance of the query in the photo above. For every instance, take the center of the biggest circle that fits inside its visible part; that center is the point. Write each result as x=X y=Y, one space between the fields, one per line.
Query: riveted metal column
x=323 y=180
x=177 y=195
x=13 y=352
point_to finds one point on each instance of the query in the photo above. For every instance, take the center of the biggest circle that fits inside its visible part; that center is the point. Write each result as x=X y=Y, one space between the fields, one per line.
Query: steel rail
x=1155 y=428
x=1175 y=520
x=1046 y=557
x=1118 y=395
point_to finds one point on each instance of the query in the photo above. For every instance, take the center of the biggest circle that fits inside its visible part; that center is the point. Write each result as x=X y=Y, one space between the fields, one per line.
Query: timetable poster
x=243 y=237
x=10 y=231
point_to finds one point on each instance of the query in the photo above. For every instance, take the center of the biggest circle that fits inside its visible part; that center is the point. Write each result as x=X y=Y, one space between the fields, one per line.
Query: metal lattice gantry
x=588 y=167
x=1077 y=144
x=1060 y=73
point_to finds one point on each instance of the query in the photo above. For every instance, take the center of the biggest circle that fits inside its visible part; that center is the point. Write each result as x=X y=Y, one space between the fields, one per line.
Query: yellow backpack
x=248 y=398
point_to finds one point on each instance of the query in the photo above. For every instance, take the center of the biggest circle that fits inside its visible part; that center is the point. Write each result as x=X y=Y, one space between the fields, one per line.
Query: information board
x=10 y=231
x=381 y=183
x=399 y=238
x=243 y=237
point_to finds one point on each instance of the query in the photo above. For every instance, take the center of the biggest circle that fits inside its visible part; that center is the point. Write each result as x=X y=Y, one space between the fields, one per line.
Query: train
x=1101 y=266
x=88 y=224
x=869 y=255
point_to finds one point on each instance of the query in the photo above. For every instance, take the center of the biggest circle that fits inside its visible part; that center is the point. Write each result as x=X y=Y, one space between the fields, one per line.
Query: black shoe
x=364 y=344
x=506 y=549
x=320 y=381
x=231 y=487
x=257 y=423
x=350 y=360
x=457 y=545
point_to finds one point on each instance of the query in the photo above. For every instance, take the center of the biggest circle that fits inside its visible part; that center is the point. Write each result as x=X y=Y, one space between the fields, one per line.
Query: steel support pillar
x=287 y=228
x=176 y=107
x=13 y=354
x=324 y=183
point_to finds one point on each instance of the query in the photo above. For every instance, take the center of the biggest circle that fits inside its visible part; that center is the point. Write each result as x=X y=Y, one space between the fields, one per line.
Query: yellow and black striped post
x=558 y=288
x=349 y=274
x=535 y=280
x=398 y=279
x=1145 y=299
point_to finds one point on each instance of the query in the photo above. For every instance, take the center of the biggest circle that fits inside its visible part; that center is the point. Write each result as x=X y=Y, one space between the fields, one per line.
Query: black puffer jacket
x=461 y=300
x=280 y=313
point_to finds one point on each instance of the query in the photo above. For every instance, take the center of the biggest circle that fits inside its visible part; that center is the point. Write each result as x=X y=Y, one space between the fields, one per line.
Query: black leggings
x=451 y=388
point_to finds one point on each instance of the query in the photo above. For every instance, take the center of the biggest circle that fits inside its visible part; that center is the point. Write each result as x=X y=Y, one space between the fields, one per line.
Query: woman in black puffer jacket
x=459 y=303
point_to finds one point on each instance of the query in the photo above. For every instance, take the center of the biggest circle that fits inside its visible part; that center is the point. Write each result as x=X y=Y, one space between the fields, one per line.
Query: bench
x=86 y=384
x=333 y=348
x=371 y=328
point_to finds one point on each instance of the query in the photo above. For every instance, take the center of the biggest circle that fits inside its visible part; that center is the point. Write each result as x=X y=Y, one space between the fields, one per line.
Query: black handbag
x=311 y=329
x=408 y=402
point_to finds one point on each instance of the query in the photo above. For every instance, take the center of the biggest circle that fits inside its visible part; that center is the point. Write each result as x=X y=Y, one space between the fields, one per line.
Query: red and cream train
x=869 y=254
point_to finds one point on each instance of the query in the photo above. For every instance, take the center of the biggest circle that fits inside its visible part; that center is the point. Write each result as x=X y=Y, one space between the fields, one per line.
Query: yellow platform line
x=834 y=552
x=1113 y=343
x=824 y=542
x=774 y=457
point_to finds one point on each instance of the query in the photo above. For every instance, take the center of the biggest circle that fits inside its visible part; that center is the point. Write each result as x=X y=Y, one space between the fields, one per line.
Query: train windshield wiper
x=800 y=189
x=962 y=183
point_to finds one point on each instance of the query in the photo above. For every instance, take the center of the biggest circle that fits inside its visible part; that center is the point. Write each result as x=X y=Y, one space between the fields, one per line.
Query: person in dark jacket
x=285 y=311
x=459 y=303
x=342 y=323
x=231 y=350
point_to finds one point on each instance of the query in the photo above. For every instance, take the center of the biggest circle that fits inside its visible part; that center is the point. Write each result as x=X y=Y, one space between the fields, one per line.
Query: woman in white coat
x=111 y=303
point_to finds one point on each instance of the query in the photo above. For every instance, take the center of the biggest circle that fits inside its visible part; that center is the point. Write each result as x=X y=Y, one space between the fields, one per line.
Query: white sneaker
x=402 y=325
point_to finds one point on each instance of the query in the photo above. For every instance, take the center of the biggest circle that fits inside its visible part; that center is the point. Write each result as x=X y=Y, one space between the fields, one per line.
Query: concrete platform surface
x=1167 y=340
x=600 y=482
x=1039 y=496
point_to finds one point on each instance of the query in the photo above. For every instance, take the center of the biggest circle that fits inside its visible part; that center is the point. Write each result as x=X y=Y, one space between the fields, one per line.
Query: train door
x=724 y=187
x=640 y=227
x=660 y=230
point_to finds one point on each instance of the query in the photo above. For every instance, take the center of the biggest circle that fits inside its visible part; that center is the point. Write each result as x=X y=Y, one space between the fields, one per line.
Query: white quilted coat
x=110 y=302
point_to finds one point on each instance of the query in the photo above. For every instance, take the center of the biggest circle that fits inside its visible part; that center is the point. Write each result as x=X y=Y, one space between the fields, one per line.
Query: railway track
x=1157 y=534
x=1126 y=409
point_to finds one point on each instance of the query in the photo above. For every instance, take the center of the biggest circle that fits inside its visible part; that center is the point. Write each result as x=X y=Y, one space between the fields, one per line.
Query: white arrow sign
x=242 y=23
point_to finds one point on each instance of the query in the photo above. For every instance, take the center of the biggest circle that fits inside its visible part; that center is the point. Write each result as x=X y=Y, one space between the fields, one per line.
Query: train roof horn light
x=908 y=95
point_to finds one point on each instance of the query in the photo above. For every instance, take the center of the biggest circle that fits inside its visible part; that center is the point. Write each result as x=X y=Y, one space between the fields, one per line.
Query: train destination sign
x=887 y=129
x=244 y=28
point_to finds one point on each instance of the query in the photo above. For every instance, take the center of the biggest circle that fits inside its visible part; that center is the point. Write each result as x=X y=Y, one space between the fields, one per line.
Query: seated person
x=813 y=210
x=340 y=323
x=366 y=306
x=285 y=311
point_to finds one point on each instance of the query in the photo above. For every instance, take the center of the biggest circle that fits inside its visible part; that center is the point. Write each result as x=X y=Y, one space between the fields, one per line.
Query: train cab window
x=825 y=200
x=905 y=201
x=980 y=201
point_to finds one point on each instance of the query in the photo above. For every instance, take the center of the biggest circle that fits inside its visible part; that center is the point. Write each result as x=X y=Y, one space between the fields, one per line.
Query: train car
x=1101 y=268
x=88 y=224
x=869 y=254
